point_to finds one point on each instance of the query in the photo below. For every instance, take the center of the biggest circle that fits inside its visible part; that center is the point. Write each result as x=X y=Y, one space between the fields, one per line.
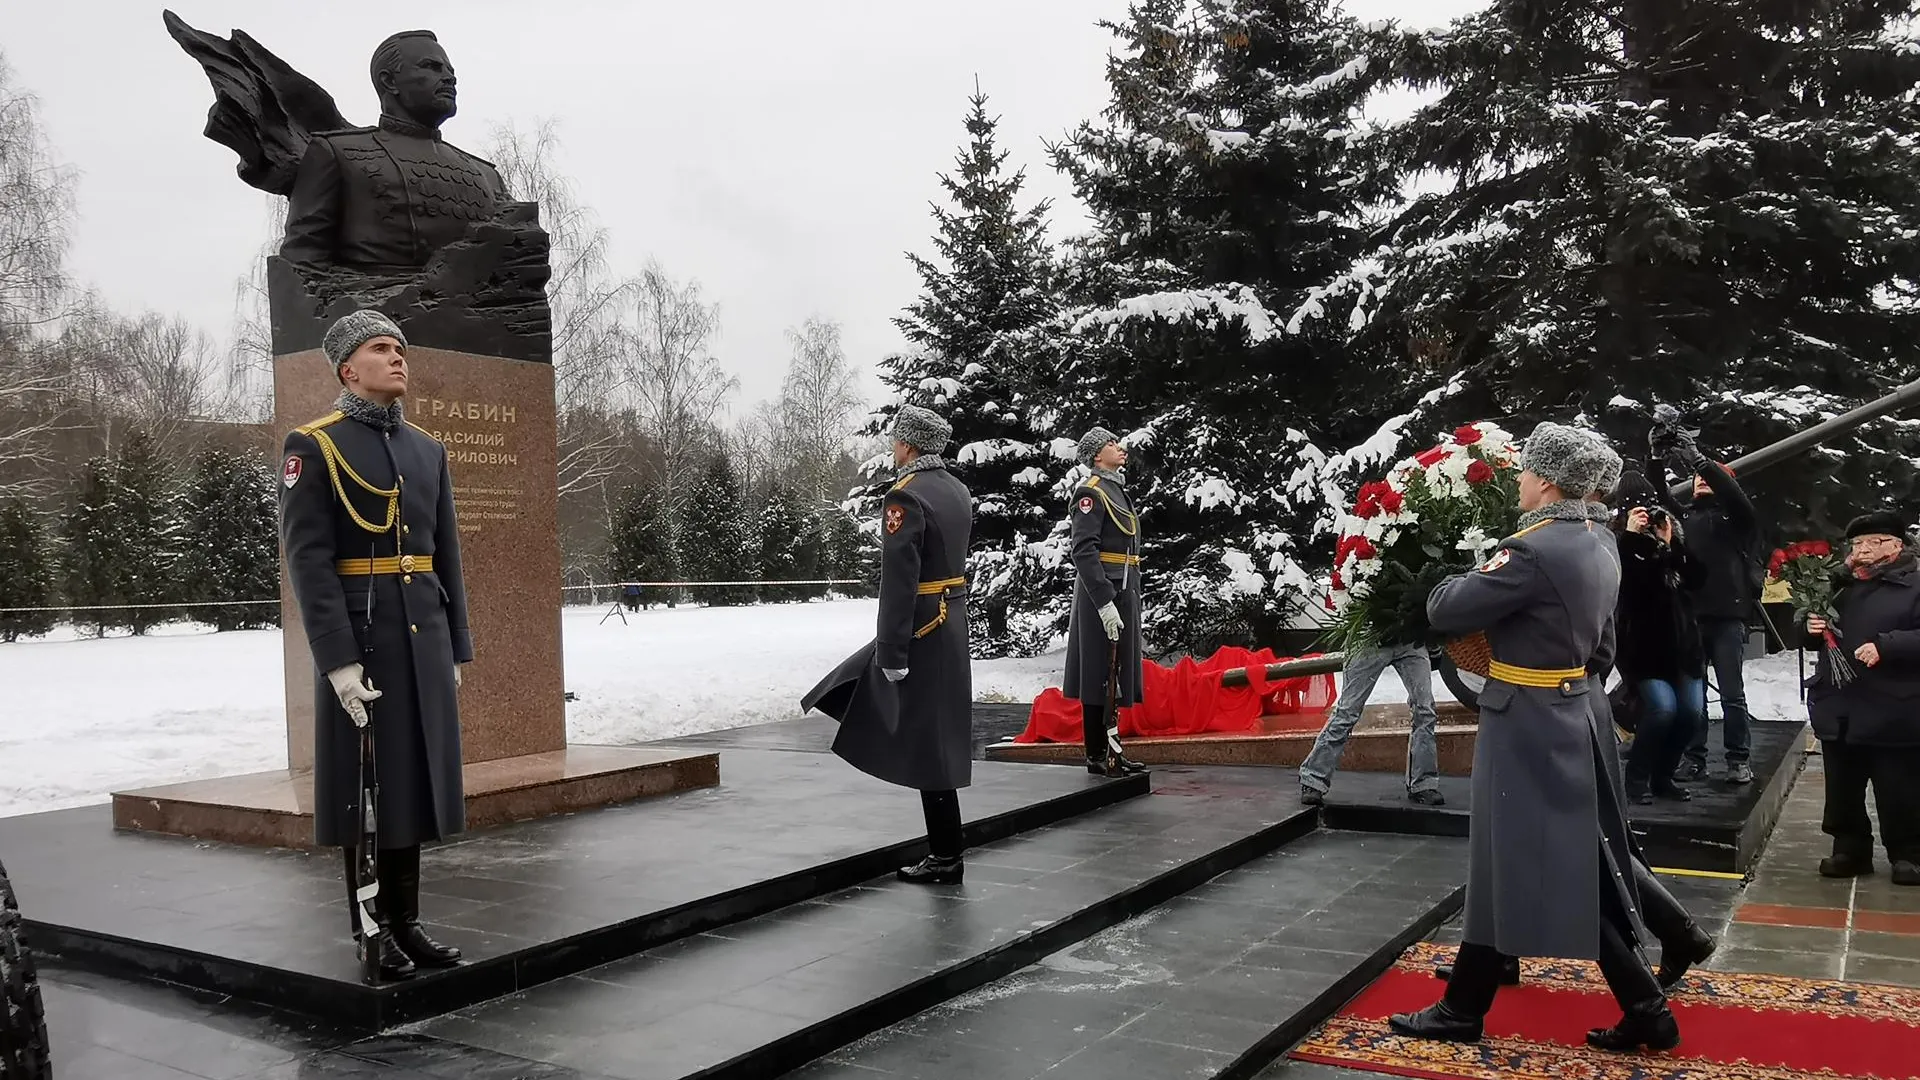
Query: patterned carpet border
x=1368 y=1044
x=1726 y=989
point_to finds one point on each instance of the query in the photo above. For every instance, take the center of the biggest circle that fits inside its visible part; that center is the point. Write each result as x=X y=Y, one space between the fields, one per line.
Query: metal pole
x=1801 y=441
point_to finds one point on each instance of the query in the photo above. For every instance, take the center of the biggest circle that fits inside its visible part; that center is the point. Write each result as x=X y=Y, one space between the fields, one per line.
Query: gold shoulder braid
x=904 y=481
x=337 y=464
x=328 y=420
x=1129 y=527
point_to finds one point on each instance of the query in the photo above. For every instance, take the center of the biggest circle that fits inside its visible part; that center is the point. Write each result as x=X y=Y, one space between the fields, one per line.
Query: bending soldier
x=905 y=702
x=373 y=552
x=1549 y=854
x=1104 y=633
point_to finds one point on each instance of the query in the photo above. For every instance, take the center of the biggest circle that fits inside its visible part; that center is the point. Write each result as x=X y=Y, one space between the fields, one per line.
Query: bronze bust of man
x=390 y=196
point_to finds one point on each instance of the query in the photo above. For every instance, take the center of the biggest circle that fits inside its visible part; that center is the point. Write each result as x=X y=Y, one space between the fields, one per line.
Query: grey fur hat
x=1610 y=466
x=922 y=429
x=1566 y=458
x=1093 y=442
x=356 y=329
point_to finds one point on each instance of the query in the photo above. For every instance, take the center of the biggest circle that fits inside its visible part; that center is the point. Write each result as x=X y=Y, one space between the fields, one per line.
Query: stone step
x=1218 y=982
x=774 y=993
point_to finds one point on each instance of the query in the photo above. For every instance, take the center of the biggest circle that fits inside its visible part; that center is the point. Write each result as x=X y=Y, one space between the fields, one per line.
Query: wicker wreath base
x=1471 y=654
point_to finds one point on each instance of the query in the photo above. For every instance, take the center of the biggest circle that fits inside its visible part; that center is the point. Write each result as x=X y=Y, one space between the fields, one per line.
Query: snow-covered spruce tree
x=229 y=509
x=640 y=541
x=90 y=551
x=984 y=334
x=1713 y=204
x=780 y=535
x=1224 y=186
x=850 y=553
x=146 y=522
x=26 y=572
x=714 y=533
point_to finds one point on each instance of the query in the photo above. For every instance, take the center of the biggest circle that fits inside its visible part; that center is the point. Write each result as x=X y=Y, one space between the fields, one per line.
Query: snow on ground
x=83 y=717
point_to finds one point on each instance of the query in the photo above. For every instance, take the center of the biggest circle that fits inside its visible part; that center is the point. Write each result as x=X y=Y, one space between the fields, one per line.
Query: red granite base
x=275 y=809
x=1378 y=744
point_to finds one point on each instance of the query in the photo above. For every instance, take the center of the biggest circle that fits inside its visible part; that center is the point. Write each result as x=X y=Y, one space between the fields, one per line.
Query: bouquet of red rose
x=1808 y=569
x=1435 y=514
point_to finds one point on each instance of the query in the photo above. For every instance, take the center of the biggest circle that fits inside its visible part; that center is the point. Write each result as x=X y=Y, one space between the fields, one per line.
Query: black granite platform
x=1721 y=830
x=528 y=903
x=771 y=994
x=992 y=722
x=1217 y=983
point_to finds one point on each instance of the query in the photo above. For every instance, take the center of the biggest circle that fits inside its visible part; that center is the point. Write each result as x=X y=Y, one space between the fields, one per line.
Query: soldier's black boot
x=1460 y=1013
x=385 y=960
x=945 y=842
x=400 y=873
x=1682 y=942
x=1509 y=971
x=1645 y=1020
x=935 y=870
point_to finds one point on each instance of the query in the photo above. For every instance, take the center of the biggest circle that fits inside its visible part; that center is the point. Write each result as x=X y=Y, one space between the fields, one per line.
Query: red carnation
x=1338 y=583
x=1428 y=458
x=1366 y=507
x=1391 y=501
x=1363 y=547
x=1466 y=435
x=1479 y=472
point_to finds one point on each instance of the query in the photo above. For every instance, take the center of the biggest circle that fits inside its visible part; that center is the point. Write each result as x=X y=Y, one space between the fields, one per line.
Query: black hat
x=1878 y=523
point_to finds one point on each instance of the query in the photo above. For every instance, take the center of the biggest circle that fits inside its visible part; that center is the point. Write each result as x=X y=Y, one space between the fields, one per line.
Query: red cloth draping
x=1187 y=699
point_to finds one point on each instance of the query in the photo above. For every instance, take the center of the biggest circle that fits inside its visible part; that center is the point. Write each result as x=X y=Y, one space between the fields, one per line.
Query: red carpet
x=1732 y=1027
x=1187 y=699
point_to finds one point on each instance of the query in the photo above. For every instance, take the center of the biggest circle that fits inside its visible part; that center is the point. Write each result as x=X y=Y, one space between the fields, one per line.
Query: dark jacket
x=1723 y=533
x=918 y=732
x=1658 y=638
x=407 y=629
x=1881 y=705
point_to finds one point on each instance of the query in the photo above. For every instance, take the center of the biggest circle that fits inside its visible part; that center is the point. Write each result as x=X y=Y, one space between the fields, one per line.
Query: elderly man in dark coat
x=1869 y=728
x=1103 y=638
x=373 y=552
x=1548 y=853
x=905 y=702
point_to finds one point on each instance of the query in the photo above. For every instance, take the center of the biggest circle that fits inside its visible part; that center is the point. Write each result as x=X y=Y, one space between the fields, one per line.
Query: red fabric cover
x=1187 y=699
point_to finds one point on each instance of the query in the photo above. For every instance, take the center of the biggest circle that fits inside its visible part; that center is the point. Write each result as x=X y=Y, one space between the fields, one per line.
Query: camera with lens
x=1656 y=517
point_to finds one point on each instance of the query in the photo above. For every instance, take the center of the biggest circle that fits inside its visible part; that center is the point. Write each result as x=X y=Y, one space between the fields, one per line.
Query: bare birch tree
x=36 y=213
x=678 y=391
x=820 y=403
x=250 y=353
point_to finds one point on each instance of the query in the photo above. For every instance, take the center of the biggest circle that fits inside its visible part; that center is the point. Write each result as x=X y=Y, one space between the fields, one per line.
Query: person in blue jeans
x=1659 y=651
x=1363 y=669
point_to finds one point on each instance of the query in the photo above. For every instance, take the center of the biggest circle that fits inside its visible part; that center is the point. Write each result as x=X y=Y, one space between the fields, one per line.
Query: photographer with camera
x=1722 y=533
x=1659 y=649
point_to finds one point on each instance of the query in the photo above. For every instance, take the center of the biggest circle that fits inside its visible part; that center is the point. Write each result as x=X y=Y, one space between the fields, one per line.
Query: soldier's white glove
x=350 y=685
x=894 y=674
x=1110 y=618
x=456 y=675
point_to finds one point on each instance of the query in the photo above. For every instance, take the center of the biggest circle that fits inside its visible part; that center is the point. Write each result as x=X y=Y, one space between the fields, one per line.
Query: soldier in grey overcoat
x=905 y=702
x=373 y=553
x=1549 y=853
x=1105 y=625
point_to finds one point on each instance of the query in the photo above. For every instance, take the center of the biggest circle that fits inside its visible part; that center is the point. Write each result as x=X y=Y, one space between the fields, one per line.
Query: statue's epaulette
x=328 y=420
x=343 y=131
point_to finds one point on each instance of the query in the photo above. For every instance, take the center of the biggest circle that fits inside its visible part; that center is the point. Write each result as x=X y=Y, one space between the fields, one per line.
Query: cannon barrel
x=1801 y=441
x=1324 y=664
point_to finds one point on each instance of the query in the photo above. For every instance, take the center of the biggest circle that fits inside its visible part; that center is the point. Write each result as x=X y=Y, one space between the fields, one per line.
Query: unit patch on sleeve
x=1499 y=560
x=896 y=516
x=1086 y=504
x=290 y=474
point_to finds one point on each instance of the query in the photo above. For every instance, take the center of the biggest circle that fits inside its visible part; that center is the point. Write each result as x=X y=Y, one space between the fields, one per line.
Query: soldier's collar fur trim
x=920 y=464
x=1564 y=510
x=388 y=418
x=1114 y=475
x=1599 y=511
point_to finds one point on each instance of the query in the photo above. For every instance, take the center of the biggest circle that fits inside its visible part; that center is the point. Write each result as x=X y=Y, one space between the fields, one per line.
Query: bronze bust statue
x=391 y=216
x=392 y=195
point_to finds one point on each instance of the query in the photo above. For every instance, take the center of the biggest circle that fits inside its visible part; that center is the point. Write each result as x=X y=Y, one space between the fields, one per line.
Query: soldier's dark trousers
x=399 y=899
x=943 y=823
x=1666 y=919
x=1093 y=721
x=1894 y=774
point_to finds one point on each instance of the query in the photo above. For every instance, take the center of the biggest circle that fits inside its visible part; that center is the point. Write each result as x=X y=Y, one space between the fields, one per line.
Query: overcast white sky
x=783 y=152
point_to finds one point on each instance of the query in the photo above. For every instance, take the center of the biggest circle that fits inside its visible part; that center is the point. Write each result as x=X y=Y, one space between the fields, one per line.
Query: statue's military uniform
x=373 y=553
x=1106 y=562
x=385 y=197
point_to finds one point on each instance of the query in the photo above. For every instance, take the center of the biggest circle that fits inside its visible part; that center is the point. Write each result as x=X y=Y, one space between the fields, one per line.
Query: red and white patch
x=1086 y=504
x=290 y=473
x=1499 y=560
x=896 y=517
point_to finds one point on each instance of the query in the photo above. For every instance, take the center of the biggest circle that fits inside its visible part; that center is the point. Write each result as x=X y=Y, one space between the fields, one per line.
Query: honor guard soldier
x=1549 y=855
x=1103 y=637
x=373 y=552
x=905 y=702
